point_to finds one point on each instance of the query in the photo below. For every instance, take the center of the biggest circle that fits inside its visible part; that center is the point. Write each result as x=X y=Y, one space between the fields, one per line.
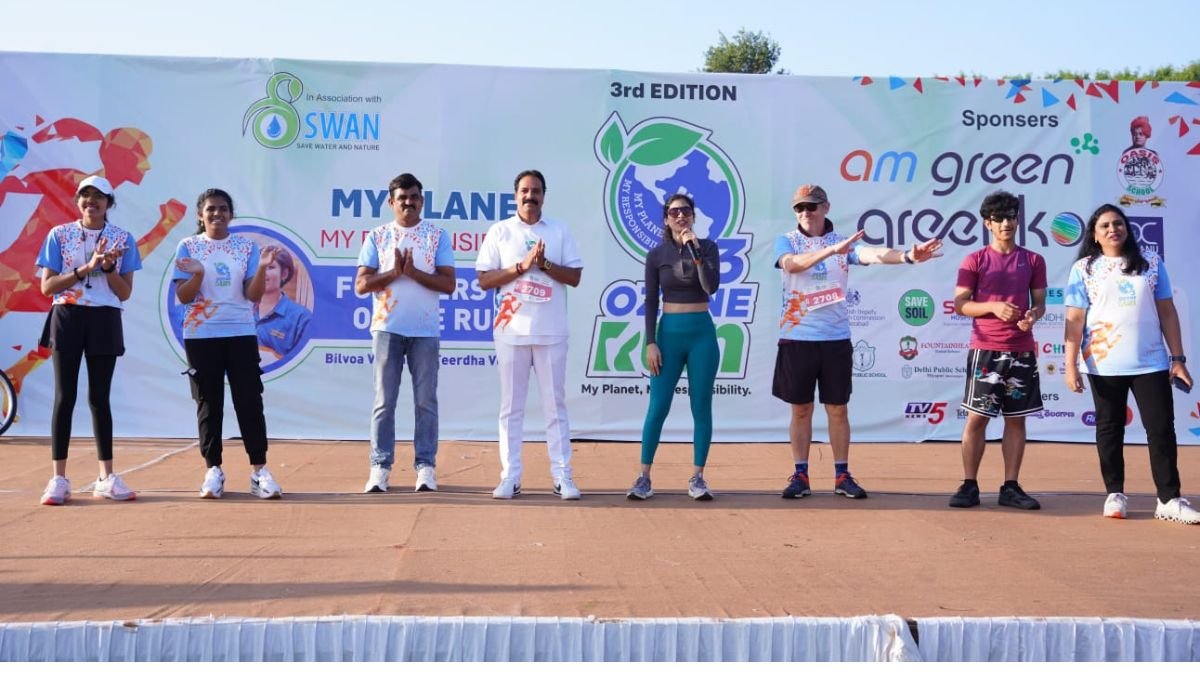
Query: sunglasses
x=676 y=211
x=802 y=208
x=1001 y=217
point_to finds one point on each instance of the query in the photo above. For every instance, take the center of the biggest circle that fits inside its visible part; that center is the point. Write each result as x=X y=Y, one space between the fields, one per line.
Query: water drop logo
x=273 y=120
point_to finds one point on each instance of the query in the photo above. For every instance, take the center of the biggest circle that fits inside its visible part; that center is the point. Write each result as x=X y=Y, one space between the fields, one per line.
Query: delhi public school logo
x=863 y=356
x=273 y=120
x=646 y=165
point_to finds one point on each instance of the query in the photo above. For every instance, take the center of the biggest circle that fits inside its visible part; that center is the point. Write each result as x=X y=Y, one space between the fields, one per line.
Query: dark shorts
x=803 y=366
x=1002 y=383
x=93 y=331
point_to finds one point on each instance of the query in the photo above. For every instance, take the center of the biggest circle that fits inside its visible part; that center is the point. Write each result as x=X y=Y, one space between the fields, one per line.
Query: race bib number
x=822 y=295
x=533 y=288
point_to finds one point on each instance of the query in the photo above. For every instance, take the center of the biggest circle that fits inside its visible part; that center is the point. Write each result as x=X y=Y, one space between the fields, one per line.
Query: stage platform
x=327 y=550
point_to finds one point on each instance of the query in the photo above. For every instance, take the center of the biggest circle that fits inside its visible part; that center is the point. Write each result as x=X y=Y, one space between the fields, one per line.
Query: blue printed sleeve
x=1076 y=292
x=444 y=257
x=368 y=255
x=180 y=252
x=50 y=256
x=1163 y=290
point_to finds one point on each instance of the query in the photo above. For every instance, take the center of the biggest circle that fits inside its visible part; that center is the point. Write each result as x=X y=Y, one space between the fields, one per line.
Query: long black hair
x=1131 y=248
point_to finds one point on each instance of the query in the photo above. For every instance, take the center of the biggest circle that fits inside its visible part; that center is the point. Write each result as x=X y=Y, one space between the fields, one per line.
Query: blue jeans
x=423 y=355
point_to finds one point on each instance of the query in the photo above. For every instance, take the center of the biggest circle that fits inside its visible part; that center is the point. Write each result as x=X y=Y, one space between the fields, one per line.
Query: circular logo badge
x=916 y=307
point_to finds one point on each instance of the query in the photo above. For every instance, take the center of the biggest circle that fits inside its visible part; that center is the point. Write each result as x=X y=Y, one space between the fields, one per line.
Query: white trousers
x=549 y=364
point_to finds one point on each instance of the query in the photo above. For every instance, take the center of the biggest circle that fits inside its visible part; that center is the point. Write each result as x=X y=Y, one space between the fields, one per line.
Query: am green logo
x=273 y=119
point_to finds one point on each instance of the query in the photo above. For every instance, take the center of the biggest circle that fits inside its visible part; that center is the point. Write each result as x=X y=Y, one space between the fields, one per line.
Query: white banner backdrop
x=307 y=150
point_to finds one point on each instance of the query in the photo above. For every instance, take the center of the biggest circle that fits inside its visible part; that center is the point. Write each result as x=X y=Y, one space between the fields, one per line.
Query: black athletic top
x=670 y=267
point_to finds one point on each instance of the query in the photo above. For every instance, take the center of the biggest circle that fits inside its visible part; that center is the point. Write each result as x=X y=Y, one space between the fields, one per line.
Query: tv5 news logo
x=931 y=411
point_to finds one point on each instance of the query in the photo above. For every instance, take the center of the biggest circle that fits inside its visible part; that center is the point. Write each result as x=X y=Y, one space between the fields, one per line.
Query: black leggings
x=211 y=360
x=66 y=379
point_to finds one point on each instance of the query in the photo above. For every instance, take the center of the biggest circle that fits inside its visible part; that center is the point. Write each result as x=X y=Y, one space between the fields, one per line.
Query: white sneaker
x=426 y=480
x=1177 y=510
x=566 y=489
x=263 y=485
x=113 y=488
x=58 y=491
x=1114 y=506
x=507 y=489
x=214 y=484
x=378 y=480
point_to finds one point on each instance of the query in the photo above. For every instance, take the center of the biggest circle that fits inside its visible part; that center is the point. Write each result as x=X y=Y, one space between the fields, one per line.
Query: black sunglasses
x=801 y=208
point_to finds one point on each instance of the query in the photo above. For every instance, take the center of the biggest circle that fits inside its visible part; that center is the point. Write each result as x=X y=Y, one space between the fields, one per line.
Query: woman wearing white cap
x=87 y=268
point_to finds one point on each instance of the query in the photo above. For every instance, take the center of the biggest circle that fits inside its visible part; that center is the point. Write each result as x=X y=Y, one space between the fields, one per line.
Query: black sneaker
x=846 y=486
x=797 y=486
x=1014 y=496
x=966 y=497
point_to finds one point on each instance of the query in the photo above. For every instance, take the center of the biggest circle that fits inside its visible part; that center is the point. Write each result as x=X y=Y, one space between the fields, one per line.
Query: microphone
x=694 y=251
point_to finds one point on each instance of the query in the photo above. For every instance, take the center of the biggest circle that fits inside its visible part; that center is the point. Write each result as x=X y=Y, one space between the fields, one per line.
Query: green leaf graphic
x=612 y=144
x=660 y=143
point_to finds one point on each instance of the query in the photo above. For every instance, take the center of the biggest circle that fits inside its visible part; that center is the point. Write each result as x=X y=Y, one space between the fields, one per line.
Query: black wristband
x=77 y=277
x=110 y=269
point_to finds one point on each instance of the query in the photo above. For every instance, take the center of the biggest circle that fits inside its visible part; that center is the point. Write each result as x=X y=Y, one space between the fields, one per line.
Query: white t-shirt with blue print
x=405 y=307
x=812 y=305
x=220 y=308
x=1122 y=334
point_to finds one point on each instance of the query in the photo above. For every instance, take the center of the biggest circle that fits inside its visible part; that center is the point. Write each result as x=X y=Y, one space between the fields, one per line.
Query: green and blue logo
x=646 y=165
x=273 y=120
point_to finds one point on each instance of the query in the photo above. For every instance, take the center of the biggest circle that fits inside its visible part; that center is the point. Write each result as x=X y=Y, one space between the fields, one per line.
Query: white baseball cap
x=98 y=182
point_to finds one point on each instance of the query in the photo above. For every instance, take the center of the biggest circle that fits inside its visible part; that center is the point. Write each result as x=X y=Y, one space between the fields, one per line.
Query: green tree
x=746 y=53
x=1188 y=73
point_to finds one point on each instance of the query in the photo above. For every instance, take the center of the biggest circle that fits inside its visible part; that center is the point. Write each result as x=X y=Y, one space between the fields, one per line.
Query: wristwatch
x=547 y=265
x=1179 y=359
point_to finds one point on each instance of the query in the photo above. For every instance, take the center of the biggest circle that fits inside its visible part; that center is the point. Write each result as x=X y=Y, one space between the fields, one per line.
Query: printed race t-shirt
x=405 y=307
x=1122 y=334
x=71 y=245
x=220 y=308
x=813 y=304
x=531 y=309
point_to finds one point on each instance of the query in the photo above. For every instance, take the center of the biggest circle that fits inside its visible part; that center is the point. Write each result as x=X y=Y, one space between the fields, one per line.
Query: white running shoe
x=566 y=489
x=263 y=485
x=426 y=480
x=1178 y=510
x=58 y=491
x=378 y=480
x=214 y=483
x=113 y=488
x=507 y=489
x=1114 y=506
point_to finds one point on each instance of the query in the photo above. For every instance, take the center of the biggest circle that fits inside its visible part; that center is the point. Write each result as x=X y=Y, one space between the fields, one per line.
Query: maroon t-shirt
x=1007 y=278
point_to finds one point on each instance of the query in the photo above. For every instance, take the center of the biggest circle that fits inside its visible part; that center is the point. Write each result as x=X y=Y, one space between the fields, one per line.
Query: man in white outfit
x=530 y=261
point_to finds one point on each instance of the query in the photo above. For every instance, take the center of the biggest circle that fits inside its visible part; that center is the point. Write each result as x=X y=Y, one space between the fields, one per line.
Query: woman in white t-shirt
x=218 y=277
x=1119 y=314
x=87 y=268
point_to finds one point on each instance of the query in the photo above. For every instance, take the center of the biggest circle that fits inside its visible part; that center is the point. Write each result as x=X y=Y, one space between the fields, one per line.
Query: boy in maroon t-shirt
x=1003 y=288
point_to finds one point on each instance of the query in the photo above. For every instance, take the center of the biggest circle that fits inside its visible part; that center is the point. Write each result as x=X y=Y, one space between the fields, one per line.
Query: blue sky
x=869 y=37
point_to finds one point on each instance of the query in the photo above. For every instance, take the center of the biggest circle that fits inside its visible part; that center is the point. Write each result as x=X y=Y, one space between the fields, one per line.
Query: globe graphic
x=640 y=192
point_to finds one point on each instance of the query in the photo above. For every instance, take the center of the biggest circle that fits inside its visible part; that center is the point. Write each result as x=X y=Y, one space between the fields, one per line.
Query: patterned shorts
x=1002 y=383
